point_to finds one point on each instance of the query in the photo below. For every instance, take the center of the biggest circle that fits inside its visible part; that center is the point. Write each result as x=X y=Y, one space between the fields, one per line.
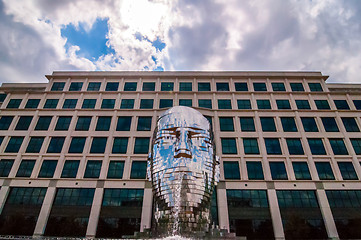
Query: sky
x=41 y=36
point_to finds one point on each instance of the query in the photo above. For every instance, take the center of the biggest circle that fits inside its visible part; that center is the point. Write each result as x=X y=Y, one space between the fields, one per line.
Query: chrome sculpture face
x=183 y=169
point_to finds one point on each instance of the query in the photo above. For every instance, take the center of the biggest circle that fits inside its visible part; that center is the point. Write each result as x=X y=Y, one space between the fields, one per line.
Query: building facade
x=74 y=151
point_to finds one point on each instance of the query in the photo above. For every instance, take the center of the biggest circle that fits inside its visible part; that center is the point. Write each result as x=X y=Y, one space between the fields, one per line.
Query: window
x=56 y=145
x=185 y=86
x=14 y=103
x=141 y=145
x=222 y=87
x=47 y=169
x=263 y=104
x=324 y=171
x=74 y=197
x=98 y=145
x=338 y=146
x=303 y=104
x=14 y=144
x=83 y=123
x=93 y=86
x=322 y=105
x=268 y=124
x=146 y=103
x=283 y=104
x=316 y=146
x=5 y=167
x=167 y=86
x=63 y=123
x=241 y=87
x=229 y=146
x=43 y=123
x=93 y=169
x=58 y=86
x=120 y=145
x=127 y=104
x=35 y=144
x=226 y=124
x=254 y=170
x=70 y=103
x=309 y=124
x=148 y=86
x=26 y=197
x=297 y=87
x=278 y=87
x=5 y=122
x=2 y=97
x=26 y=168
x=259 y=87
x=51 y=103
x=115 y=170
x=350 y=124
x=125 y=197
x=23 y=123
x=112 y=86
x=315 y=87
x=288 y=124
x=103 y=123
x=301 y=170
x=185 y=102
x=144 y=123
x=139 y=170
x=124 y=123
x=356 y=144
x=75 y=86
x=244 y=104
x=250 y=146
x=329 y=124
x=231 y=170
x=247 y=124
x=273 y=146
x=294 y=146
x=108 y=104
x=32 y=103
x=357 y=104
x=278 y=170
x=89 y=103
x=77 y=145
x=205 y=103
x=1 y=140
x=341 y=104
x=130 y=86
x=224 y=104
x=165 y=103
x=70 y=169
x=204 y=87
x=347 y=171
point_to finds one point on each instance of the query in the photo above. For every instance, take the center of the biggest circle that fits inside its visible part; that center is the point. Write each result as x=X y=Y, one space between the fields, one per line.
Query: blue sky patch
x=158 y=44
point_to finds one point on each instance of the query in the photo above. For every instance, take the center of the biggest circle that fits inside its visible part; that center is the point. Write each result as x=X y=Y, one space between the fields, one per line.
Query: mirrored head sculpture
x=184 y=170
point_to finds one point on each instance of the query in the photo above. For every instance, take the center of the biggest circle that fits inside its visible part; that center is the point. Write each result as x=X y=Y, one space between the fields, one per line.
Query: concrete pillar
x=327 y=214
x=275 y=214
x=146 y=220
x=95 y=212
x=223 y=218
x=45 y=212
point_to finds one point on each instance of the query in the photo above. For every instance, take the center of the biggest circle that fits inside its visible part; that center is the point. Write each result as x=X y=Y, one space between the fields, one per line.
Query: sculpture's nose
x=182 y=146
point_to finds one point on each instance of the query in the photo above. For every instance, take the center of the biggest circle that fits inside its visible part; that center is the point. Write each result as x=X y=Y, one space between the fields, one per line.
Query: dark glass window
x=92 y=169
x=303 y=104
x=2 y=97
x=250 y=146
x=316 y=146
x=26 y=168
x=32 y=103
x=205 y=103
x=5 y=167
x=288 y=124
x=125 y=197
x=127 y=104
x=166 y=86
x=89 y=104
x=185 y=102
x=283 y=104
x=120 y=145
x=144 y=123
x=165 y=103
x=98 y=145
x=77 y=145
x=268 y=124
x=130 y=86
x=148 y=86
x=322 y=105
x=58 y=86
x=259 y=87
x=338 y=146
x=43 y=123
x=273 y=146
x=14 y=103
x=324 y=171
x=1 y=140
x=356 y=144
x=70 y=169
x=301 y=170
x=141 y=145
x=204 y=87
x=47 y=169
x=139 y=170
x=63 y=123
x=226 y=124
x=5 y=122
x=241 y=87
x=103 y=123
x=347 y=171
x=278 y=170
x=357 y=104
x=309 y=124
x=56 y=145
x=229 y=146
x=124 y=123
x=35 y=144
x=278 y=87
x=146 y=103
x=231 y=170
x=342 y=105
x=247 y=124
x=294 y=146
x=23 y=123
x=315 y=87
x=108 y=104
x=224 y=104
x=254 y=170
x=329 y=124
x=74 y=197
x=93 y=86
x=75 y=86
x=263 y=104
x=115 y=170
x=83 y=123
x=297 y=87
x=350 y=124
x=185 y=86
x=70 y=103
x=222 y=87
x=14 y=144
x=112 y=86
x=244 y=104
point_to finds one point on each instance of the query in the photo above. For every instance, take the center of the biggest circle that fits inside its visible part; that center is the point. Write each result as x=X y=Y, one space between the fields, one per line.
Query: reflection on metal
x=183 y=169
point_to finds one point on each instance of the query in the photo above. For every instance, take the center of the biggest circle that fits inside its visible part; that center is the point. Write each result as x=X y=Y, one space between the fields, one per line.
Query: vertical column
x=45 y=211
x=3 y=196
x=95 y=212
x=327 y=214
x=275 y=214
x=223 y=218
x=146 y=220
